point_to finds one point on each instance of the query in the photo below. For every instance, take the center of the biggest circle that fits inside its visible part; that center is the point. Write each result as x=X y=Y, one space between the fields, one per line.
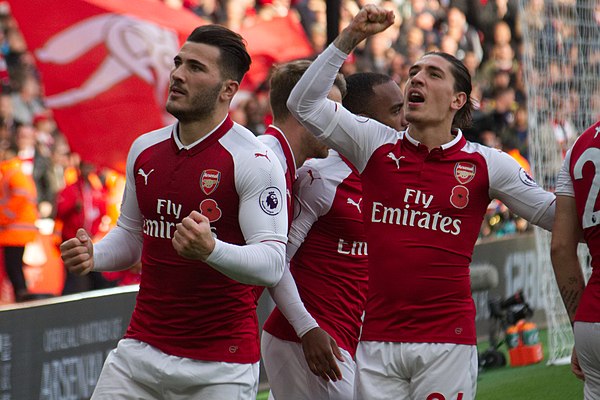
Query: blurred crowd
x=484 y=34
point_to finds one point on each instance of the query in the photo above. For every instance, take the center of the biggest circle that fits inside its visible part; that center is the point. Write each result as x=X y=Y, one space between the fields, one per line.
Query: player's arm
x=262 y=218
x=567 y=270
x=565 y=239
x=566 y=234
x=121 y=247
x=320 y=349
x=522 y=195
x=285 y=293
x=328 y=120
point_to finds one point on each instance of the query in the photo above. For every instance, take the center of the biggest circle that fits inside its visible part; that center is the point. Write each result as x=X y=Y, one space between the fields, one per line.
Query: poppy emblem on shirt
x=210 y=209
x=464 y=172
x=459 y=197
x=209 y=180
x=270 y=200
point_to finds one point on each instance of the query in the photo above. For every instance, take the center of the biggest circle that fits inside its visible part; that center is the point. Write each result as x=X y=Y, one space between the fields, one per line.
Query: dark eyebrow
x=427 y=67
x=437 y=69
x=189 y=61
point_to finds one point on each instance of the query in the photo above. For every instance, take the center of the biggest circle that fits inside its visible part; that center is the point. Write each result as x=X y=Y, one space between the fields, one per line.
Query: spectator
x=502 y=60
x=465 y=35
x=82 y=205
x=502 y=115
x=26 y=101
x=36 y=161
x=18 y=213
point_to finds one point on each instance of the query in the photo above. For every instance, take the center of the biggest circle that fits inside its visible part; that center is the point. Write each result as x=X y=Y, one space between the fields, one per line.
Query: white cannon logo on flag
x=135 y=48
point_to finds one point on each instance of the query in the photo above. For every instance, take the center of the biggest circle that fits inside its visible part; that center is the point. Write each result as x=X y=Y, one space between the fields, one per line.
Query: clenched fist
x=78 y=253
x=193 y=238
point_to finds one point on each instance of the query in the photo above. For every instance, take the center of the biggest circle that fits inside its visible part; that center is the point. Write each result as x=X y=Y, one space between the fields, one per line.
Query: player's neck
x=192 y=131
x=431 y=136
x=293 y=132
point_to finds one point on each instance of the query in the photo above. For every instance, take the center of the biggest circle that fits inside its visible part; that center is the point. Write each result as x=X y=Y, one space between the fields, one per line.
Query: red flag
x=280 y=39
x=105 y=67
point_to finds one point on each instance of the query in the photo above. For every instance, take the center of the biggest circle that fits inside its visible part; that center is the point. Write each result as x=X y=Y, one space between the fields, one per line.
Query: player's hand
x=78 y=253
x=371 y=19
x=193 y=238
x=321 y=351
x=575 y=368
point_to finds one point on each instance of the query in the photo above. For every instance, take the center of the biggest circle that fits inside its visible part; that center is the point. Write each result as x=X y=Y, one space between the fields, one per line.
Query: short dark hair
x=462 y=83
x=283 y=79
x=235 y=60
x=360 y=91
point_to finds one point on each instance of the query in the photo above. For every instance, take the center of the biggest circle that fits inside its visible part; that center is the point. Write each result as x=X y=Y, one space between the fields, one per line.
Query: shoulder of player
x=149 y=139
x=489 y=155
x=317 y=173
x=275 y=145
x=243 y=142
x=155 y=136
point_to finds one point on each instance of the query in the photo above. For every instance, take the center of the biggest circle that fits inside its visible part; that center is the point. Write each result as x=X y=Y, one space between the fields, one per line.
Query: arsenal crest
x=209 y=180
x=464 y=172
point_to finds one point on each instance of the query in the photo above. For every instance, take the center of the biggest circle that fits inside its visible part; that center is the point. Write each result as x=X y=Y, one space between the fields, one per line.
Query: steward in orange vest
x=18 y=213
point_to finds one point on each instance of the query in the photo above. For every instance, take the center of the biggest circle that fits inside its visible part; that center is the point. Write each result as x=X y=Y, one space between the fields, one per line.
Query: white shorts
x=136 y=370
x=291 y=379
x=432 y=371
x=587 y=346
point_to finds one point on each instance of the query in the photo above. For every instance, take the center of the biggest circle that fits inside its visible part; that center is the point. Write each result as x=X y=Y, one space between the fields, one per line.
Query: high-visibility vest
x=18 y=205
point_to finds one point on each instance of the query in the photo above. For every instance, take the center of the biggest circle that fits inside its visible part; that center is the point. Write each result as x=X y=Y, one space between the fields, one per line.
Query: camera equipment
x=503 y=313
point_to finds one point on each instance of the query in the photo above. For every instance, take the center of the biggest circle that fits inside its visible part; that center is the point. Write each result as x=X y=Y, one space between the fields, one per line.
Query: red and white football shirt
x=328 y=251
x=422 y=212
x=184 y=307
x=580 y=178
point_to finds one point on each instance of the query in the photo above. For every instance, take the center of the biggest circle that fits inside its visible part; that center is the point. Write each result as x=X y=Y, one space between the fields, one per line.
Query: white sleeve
x=121 y=248
x=355 y=137
x=510 y=184
x=564 y=184
x=286 y=297
x=253 y=264
x=118 y=250
x=260 y=184
x=311 y=204
x=313 y=200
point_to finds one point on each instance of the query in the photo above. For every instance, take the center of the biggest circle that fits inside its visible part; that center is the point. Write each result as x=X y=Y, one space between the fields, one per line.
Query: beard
x=201 y=106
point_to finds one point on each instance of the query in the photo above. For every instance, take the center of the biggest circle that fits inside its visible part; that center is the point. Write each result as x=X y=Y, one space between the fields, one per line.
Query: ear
x=460 y=99
x=229 y=89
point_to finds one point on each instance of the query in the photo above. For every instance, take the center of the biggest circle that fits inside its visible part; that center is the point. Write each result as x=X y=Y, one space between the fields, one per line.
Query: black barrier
x=54 y=349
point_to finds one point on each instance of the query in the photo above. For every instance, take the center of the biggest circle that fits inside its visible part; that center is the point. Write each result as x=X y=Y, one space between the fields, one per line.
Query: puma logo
x=256 y=155
x=312 y=177
x=355 y=204
x=145 y=175
x=396 y=160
